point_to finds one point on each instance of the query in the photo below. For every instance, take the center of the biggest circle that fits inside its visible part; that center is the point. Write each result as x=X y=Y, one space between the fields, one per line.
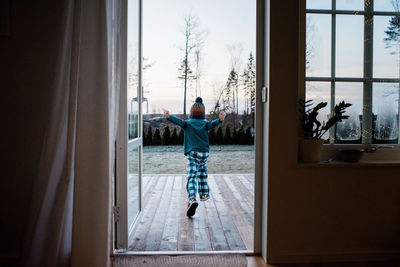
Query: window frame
x=368 y=79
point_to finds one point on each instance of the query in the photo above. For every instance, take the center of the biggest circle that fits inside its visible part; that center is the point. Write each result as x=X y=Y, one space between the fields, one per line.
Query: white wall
x=319 y=214
x=26 y=76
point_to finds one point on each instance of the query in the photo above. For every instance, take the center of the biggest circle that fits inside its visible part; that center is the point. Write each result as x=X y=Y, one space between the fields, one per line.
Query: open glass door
x=129 y=144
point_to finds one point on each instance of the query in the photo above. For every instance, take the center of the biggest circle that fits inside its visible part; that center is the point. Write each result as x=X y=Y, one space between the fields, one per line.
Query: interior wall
x=317 y=213
x=27 y=63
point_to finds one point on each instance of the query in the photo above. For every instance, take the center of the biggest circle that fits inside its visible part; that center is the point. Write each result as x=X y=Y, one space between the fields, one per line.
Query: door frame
x=123 y=144
x=261 y=131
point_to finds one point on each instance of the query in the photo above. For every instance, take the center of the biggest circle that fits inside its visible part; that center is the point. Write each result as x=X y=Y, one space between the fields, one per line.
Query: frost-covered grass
x=223 y=159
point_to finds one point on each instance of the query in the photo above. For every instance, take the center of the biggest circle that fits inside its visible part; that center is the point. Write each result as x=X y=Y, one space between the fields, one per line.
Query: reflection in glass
x=385 y=112
x=386 y=58
x=318 y=45
x=350 y=5
x=349 y=131
x=133 y=68
x=319 y=4
x=349 y=45
x=386 y=5
x=320 y=92
x=133 y=185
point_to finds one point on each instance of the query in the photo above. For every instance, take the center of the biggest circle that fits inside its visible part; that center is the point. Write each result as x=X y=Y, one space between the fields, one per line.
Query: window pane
x=320 y=92
x=386 y=52
x=385 y=109
x=350 y=4
x=349 y=130
x=319 y=4
x=133 y=185
x=318 y=45
x=133 y=68
x=349 y=45
x=385 y=5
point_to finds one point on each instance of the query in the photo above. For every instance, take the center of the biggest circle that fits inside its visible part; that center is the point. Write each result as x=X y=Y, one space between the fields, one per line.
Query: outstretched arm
x=175 y=120
x=212 y=124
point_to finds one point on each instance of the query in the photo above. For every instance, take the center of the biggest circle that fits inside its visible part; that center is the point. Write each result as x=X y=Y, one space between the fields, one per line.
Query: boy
x=196 y=148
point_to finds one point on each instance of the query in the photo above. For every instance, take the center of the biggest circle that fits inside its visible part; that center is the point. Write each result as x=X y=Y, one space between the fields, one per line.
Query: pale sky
x=227 y=22
x=349 y=57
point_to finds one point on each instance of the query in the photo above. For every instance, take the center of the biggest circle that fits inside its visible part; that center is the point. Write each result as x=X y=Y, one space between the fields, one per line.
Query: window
x=353 y=54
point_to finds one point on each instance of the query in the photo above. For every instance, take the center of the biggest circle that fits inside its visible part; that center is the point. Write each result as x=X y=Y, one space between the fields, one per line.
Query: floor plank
x=231 y=233
x=186 y=228
x=153 y=239
x=139 y=240
x=169 y=240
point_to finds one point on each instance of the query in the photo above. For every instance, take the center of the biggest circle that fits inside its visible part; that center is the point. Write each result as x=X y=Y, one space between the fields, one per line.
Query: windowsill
x=384 y=156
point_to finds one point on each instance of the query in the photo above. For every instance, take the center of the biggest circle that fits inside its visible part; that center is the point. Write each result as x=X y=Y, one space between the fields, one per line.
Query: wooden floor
x=224 y=222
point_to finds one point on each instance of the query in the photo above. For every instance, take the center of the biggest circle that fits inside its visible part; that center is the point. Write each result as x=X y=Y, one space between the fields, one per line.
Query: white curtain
x=70 y=214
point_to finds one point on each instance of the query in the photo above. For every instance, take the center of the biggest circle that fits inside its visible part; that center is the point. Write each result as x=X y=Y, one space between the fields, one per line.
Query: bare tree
x=194 y=38
x=392 y=41
x=235 y=51
x=310 y=30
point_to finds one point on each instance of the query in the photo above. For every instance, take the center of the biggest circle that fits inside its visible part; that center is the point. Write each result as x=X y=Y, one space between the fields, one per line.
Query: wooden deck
x=224 y=222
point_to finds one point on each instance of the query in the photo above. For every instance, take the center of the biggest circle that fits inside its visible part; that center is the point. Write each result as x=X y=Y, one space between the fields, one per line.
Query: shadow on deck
x=222 y=223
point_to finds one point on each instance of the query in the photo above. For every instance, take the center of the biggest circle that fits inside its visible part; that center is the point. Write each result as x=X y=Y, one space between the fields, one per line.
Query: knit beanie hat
x=198 y=111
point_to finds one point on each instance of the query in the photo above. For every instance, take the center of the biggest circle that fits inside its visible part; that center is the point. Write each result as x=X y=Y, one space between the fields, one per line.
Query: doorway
x=155 y=194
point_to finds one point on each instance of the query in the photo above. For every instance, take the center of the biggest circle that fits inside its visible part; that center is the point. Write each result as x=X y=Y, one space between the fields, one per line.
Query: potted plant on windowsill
x=313 y=130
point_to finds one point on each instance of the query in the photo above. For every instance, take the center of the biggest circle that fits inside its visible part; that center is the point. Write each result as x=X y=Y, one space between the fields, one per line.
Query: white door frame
x=122 y=227
x=261 y=127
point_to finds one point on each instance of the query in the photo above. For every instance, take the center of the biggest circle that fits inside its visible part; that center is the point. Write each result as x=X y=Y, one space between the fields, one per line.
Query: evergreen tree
x=249 y=86
x=249 y=138
x=149 y=136
x=228 y=100
x=157 y=138
x=241 y=136
x=211 y=137
x=228 y=136
x=219 y=140
x=181 y=137
x=166 y=138
x=235 y=137
x=174 y=138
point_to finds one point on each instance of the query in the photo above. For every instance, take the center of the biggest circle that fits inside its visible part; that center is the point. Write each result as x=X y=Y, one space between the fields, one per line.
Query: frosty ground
x=223 y=159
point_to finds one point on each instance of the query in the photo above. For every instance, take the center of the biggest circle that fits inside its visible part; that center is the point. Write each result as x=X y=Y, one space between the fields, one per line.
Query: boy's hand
x=222 y=115
x=166 y=114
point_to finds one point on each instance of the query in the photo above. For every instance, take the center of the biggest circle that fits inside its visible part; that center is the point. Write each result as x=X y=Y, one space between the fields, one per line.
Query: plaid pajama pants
x=197 y=174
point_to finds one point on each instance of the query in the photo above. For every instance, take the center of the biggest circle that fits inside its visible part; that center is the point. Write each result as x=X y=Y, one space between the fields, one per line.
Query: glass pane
x=320 y=92
x=350 y=5
x=132 y=54
x=385 y=108
x=349 y=131
x=386 y=5
x=319 y=4
x=386 y=51
x=133 y=185
x=318 y=45
x=349 y=45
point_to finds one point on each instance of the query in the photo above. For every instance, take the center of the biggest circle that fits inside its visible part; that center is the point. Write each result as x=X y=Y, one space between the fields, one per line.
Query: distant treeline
x=219 y=136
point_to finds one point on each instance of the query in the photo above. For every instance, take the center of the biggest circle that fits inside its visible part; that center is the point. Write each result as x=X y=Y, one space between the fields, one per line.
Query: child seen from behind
x=196 y=149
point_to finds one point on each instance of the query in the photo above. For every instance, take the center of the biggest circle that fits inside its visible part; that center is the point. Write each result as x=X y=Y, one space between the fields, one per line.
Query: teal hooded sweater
x=196 y=133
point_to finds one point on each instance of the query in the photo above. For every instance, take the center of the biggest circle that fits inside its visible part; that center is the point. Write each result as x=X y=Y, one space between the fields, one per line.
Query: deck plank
x=201 y=230
x=186 y=227
x=241 y=216
x=154 y=236
x=217 y=236
x=139 y=241
x=231 y=233
x=169 y=241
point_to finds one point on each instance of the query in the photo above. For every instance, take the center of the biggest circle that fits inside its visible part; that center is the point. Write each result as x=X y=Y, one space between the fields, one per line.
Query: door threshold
x=177 y=253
